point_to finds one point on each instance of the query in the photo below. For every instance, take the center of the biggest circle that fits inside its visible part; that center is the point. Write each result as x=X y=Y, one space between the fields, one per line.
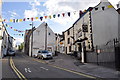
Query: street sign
x=85 y=28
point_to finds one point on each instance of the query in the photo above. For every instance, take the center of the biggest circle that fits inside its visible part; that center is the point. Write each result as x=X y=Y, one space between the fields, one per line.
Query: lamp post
x=85 y=29
x=46 y=36
x=31 y=39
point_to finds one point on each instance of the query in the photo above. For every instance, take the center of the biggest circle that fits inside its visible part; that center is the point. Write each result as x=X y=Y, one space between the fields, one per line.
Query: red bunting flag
x=63 y=14
x=45 y=17
x=81 y=12
x=4 y=20
x=32 y=19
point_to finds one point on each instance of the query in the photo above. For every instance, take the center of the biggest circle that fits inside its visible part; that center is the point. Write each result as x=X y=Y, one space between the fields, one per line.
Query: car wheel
x=42 y=58
x=14 y=55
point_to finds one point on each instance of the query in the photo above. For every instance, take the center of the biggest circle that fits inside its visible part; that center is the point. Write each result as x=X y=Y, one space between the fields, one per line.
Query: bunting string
x=51 y=16
x=19 y=34
x=6 y=25
x=42 y=17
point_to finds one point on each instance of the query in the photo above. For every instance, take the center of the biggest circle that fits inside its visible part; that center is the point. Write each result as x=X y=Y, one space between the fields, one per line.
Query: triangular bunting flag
x=54 y=16
x=16 y=20
x=110 y=6
x=14 y=29
x=11 y=20
x=4 y=20
x=36 y=17
x=81 y=12
x=32 y=19
x=63 y=14
x=45 y=17
x=58 y=15
x=50 y=16
x=28 y=18
x=69 y=14
x=41 y=18
x=24 y=19
x=20 y=20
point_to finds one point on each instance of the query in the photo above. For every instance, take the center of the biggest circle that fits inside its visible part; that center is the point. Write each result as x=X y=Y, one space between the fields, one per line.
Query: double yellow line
x=18 y=73
x=78 y=73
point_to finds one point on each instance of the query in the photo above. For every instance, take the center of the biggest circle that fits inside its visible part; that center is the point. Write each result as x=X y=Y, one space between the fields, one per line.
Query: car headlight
x=44 y=55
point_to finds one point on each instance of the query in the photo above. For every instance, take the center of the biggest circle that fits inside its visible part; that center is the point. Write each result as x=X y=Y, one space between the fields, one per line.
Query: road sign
x=85 y=28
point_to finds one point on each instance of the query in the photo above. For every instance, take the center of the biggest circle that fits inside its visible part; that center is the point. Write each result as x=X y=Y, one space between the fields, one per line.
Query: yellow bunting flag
x=50 y=16
x=85 y=10
x=11 y=20
x=20 y=20
x=36 y=17
x=14 y=29
x=110 y=6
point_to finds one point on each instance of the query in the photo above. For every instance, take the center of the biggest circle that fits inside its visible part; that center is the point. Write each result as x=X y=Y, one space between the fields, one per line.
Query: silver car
x=44 y=54
x=11 y=53
x=35 y=55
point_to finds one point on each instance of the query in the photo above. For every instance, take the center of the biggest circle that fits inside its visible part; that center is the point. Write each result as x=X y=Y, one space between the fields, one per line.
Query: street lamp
x=31 y=38
x=46 y=36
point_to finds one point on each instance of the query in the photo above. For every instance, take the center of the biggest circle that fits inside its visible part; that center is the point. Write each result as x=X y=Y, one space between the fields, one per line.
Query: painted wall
x=104 y=24
x=39 y=39
x=78 y=31
x=67 y=46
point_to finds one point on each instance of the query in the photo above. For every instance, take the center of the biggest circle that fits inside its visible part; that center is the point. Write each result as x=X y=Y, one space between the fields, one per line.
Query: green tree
x=21 y=46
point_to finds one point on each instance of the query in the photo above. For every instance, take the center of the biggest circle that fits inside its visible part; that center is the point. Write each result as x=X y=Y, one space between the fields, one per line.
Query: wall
x=119 y=26
x=105 y=29
x=66 y=40
x=104 y=24
x=39 y=39
x=78 y=31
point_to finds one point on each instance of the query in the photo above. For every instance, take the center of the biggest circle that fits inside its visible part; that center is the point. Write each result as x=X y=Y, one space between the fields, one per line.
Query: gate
x=117 y=56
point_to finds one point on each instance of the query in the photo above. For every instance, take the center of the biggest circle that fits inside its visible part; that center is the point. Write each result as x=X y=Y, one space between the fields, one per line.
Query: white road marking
x=28 y=70
x=44 y=68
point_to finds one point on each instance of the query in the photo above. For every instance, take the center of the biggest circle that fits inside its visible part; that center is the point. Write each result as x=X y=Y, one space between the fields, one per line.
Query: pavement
x=71 y=63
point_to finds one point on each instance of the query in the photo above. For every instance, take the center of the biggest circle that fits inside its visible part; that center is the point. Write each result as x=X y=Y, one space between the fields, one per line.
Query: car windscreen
x=44 y=51
x=11 y=51
x=39 y=51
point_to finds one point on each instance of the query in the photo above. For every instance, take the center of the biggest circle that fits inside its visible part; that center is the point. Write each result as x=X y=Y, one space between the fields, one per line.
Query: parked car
x=44 y=54
x=11 y=52
x=35 y=55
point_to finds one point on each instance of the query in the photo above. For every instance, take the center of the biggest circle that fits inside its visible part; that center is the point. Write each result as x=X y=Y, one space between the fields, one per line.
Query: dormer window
x=103 y=8
x=96 y=8
x=68 y=32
